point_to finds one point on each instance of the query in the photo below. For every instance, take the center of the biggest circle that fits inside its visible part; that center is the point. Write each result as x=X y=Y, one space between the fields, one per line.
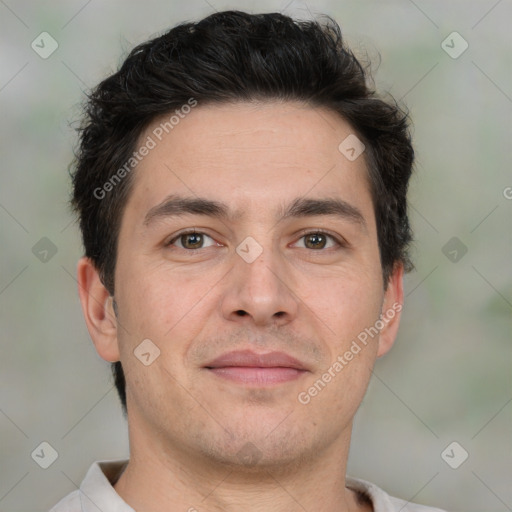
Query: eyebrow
x=175 y=206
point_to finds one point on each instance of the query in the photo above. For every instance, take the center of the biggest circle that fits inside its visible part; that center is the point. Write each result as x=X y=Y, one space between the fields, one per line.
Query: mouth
x=247 y=367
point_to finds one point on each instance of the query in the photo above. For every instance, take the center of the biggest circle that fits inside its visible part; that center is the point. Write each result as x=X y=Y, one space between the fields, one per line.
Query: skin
x=189 y=428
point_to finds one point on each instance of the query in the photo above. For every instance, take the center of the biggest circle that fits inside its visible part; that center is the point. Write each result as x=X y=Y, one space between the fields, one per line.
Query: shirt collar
x=97 y=492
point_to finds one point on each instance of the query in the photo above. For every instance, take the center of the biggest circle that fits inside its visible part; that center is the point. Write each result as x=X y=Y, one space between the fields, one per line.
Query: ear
x=97 y=306
x=391 y=310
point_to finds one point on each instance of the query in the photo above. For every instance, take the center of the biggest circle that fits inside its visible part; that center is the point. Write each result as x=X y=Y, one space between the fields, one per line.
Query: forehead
x=249 y=155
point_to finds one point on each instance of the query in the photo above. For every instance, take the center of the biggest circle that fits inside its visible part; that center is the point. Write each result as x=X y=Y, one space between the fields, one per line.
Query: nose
x=260 y=292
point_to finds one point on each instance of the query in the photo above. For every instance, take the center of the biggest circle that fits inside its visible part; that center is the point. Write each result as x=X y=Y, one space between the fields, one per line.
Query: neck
x=158 y=475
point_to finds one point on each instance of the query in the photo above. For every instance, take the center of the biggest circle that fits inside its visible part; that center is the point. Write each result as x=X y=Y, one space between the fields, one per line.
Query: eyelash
x=338 y=242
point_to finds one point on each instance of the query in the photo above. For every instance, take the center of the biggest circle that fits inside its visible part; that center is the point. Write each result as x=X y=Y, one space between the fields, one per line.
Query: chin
x=254 y=447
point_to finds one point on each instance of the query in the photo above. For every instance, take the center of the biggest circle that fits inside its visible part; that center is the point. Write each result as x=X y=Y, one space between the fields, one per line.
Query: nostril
x=241 y=312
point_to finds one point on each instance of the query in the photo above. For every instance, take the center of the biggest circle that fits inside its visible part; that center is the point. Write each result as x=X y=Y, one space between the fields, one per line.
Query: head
x=238 y=126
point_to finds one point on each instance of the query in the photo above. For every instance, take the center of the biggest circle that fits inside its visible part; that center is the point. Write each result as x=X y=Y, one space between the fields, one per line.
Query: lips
x=249 y=359
x=247 y=367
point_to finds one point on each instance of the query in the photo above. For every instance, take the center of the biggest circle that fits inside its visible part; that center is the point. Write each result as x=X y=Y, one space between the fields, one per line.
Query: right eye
x=191 y=240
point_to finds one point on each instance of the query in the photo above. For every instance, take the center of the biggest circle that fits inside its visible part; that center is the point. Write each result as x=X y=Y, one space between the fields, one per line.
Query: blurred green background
x=448 y=377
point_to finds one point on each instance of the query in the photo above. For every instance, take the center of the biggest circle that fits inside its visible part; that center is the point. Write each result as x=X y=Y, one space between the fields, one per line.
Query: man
x=242 y=201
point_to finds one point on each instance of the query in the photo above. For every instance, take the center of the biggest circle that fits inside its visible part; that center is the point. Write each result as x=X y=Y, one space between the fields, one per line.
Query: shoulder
x=383 y=502
x=405 y=506
x=96 y=491
x=70 y=503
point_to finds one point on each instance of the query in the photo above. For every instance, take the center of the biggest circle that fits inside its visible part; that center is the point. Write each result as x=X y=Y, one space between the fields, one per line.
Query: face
x=248 y=256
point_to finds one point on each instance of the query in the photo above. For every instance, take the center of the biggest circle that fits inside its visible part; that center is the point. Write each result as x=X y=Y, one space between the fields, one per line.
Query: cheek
x=344 y=303
x=158 y=302
x=348 y=311
x=349 y=305
x=157 y=306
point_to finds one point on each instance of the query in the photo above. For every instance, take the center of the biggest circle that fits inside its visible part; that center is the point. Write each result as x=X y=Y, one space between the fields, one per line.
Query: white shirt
x=97 y=493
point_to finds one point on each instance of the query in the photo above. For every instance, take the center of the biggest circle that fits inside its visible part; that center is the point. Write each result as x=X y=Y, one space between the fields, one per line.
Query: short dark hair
x=234 y=56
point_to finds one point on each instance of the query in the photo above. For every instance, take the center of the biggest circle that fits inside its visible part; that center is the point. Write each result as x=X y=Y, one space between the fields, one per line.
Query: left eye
x=318 y=240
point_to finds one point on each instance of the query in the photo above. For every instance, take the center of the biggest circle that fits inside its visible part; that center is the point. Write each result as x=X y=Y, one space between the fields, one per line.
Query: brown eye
x=191 y=240
x=315 y=241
